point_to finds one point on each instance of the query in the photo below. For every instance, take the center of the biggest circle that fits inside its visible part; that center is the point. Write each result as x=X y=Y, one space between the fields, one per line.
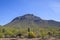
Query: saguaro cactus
x=31 y=34
x=28 y=29
x=3 y=30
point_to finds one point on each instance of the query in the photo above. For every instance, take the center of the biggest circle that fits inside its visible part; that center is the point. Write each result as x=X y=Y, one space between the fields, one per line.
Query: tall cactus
x=3 y=30
x=28 y=29
x=31 y=34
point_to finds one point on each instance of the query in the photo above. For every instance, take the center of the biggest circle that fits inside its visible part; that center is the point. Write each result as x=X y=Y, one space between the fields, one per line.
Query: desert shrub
x=19 y=35
x=9 y=33
x=43 y=34
x=1 y=35
x=31 y=35
x=49 y=33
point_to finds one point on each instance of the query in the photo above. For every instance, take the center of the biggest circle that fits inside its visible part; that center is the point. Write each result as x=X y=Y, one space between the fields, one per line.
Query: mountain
x=30 y=20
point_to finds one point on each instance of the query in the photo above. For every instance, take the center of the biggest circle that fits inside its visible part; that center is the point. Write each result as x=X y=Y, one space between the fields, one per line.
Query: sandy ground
x=27 y=39
x=18 y=39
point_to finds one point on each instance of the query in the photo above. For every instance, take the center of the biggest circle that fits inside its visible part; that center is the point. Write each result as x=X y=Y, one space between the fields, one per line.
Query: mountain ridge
x=32 y=21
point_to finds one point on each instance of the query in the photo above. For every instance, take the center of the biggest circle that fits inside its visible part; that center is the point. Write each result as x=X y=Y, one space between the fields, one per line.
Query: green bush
x=9 y=33
x=1 y=35
x=43 y=34
x=31 y=35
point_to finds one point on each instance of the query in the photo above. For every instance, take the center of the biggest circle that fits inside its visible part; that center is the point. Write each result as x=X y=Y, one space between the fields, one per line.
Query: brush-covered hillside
x=30 y=20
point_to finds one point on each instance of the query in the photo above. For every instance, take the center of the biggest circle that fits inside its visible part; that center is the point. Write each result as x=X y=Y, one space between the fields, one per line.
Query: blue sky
x=45 y=9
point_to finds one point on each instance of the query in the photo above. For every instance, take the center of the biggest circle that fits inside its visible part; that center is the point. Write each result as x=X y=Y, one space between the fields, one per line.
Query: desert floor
x=28 y=39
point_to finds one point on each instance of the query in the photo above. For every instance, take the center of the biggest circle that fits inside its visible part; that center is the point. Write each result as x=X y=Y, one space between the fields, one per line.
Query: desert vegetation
x=43 y=33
